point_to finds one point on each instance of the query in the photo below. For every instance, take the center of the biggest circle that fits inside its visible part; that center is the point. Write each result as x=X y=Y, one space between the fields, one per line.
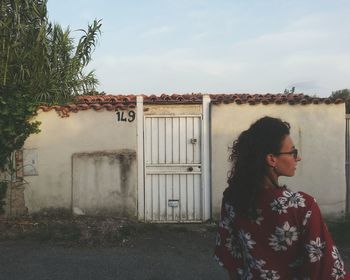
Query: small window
x=30 y=162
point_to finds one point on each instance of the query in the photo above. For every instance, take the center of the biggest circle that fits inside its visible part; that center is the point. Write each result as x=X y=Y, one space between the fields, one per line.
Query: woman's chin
x=290 y=174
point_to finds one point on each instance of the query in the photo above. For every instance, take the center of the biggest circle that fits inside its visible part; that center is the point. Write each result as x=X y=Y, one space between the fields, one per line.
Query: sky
x=215 y=46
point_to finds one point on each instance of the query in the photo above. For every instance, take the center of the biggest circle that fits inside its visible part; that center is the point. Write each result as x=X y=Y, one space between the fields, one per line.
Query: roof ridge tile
x=123 y=102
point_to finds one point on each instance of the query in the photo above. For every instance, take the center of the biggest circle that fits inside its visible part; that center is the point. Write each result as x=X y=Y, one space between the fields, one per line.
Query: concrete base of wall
x=103 y=183
x=15 y=203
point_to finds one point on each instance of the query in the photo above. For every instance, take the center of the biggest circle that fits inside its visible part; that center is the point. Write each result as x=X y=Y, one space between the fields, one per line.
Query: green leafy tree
x=39 y=63
x=342 y=93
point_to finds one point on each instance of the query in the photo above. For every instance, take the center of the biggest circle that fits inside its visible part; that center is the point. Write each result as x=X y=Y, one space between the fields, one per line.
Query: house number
x=129 y=118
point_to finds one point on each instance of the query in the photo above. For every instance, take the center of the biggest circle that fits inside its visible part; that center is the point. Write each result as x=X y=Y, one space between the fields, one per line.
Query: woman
x=266 y=230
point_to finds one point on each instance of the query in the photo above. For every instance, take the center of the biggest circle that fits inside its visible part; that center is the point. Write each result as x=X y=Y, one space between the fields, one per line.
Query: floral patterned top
x=288 y=240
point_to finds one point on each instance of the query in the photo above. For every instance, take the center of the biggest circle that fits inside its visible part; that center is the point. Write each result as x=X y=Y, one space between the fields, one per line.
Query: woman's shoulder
x=287 y=192
x=309 y=199
x=283 y=198
x=306 y=195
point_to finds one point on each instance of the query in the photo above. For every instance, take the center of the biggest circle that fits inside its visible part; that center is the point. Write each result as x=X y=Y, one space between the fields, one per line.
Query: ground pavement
x=178 y=254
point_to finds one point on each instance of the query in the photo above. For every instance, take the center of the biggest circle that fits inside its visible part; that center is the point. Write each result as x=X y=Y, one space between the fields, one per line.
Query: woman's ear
x=271 y=160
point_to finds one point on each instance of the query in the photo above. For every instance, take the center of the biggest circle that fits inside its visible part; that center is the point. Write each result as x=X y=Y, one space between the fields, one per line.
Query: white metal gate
x=173 y=168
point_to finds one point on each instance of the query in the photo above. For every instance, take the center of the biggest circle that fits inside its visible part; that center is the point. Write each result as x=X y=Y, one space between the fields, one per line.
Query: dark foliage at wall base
x=3 y=188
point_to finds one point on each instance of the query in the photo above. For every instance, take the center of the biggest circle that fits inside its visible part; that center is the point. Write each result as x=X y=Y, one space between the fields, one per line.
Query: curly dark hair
x=248 y=157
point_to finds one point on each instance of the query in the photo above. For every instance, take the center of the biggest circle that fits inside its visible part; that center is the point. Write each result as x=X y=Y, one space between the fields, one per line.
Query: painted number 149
x=122 y=118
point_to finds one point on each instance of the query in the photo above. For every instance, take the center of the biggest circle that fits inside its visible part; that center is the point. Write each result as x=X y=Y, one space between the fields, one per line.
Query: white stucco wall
x=318 y=132
x=83 y=132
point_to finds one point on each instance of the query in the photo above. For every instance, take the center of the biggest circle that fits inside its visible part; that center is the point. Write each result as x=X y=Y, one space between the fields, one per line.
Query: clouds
x=226 y=46
x=167 y=72
x=156 y=31
x=309 y=53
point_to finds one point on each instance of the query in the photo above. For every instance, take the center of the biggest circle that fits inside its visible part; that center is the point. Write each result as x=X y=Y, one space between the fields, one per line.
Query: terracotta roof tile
x=105 y=99
x=45 y=108
x=109 y=107
x=268 y=98
x=125 y=102
x=83 y=106
x=339 y=100
x=192 y=98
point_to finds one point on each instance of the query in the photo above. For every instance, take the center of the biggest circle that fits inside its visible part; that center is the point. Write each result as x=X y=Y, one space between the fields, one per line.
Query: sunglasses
x=293 y=152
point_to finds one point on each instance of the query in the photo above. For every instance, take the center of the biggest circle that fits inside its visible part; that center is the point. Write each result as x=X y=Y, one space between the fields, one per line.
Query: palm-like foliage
x=39 y=63
x=65 y=64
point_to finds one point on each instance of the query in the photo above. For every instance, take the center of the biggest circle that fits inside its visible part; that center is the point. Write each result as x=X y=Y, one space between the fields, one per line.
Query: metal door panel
x=161 y=140
x=155 y=197
x=197 y=136
x=188 y=137
x=176 y=195
x=172 y=168
x=190 y=196
x=169 y=195
x=182 y=139
x=147 y=141
x=169 y=144
x=183 y=198
x=154 y=139
x=197 y=197
x=148 y=197
x=162 y=197
x=175 y=140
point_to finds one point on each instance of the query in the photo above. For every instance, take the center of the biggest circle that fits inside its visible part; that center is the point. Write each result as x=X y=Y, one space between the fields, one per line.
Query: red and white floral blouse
x=288 y=240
